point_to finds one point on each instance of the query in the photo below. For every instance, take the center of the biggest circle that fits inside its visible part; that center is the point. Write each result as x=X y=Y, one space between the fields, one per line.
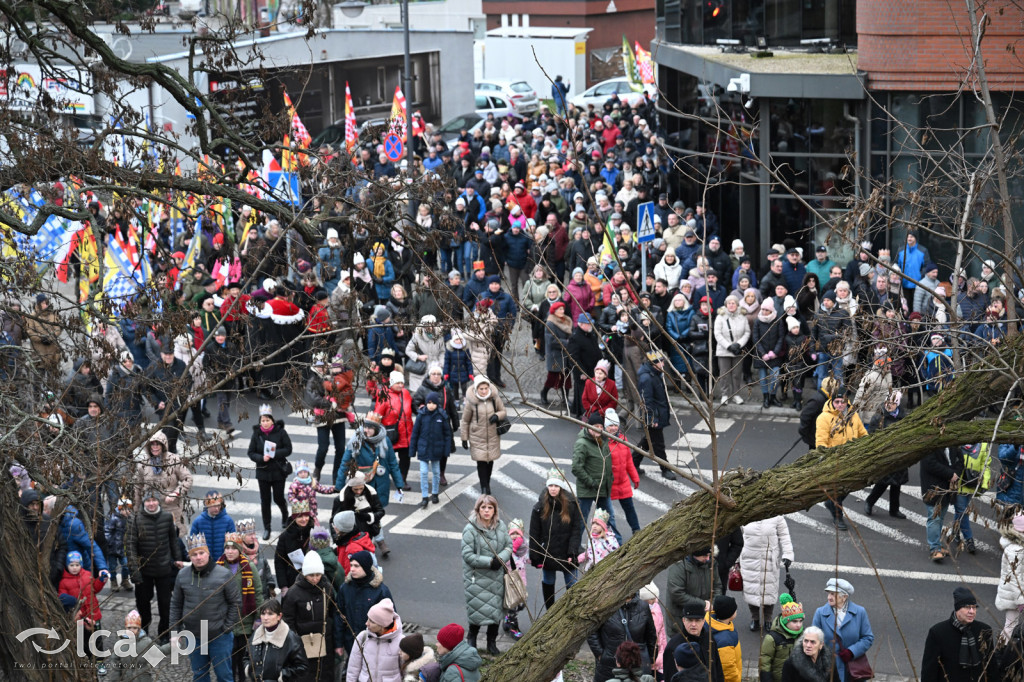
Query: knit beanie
x=687 y=654
x=723 y=607
x=963 y=597
x=648 y=592
x=790 y=609
x=792 y=322
x=412 y=645
x=312 y=563
x=344 y=521
x=450 y=635
x=382 y=613
x=364 y=559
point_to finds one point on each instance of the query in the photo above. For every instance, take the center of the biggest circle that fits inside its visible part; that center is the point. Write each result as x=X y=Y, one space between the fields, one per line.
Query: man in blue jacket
x=505 y=310
x=559 y=93
x=911 y=259
x=213 y=523
x=518 y=254
x=74 y=536
x=431 y=442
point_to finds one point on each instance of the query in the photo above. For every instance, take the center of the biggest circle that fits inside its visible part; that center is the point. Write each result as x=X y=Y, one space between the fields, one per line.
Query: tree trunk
x=946 y=420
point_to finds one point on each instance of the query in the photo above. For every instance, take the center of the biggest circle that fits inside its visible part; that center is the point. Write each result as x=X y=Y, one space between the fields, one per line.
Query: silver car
x=520 y=93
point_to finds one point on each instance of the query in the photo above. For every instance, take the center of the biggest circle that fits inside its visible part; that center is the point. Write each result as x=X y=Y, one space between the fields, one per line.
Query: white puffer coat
x=1010 y=593
x=375 y=657
x=765 y=544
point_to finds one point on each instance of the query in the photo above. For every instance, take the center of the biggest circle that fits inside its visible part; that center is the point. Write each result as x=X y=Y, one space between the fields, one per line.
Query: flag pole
x=409 y=167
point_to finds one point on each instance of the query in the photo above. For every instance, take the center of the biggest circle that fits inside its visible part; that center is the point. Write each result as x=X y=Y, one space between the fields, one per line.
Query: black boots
x=492 y=640
x=798 y=399
x=544 y=396
x=766 y=402
x=474 y=631
x=773 y=401
x=549 y=594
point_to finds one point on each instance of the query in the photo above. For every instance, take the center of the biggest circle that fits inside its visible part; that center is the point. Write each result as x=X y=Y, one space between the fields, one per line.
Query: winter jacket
x=365 y=452
x=128 y=668
x=213 y=529
x=624 y=473
x=854 y=634
x=379 y=338
x=461 y=664
x=729 y=651
x=814 y=402
x=375 y=657
x=83 y=587
x=632 y=622
x=799 y=667
x=169 y=477
x=277 y=655
x=396 y=408
x=557 y=333
x=700 y=331
x=710 y=667
x=244 y=625
x=911 y=260
x=592 y=466
x=73 y=534
x=354 y=599
x=690 y=582
x=1011 y=463
x=768 y=337
x=293 y=537
x=207 y=594
x=276 y=469
x=765 y=544
x=584 y=350
x=114 y=529
x=414 y=666
x=832 y=429
x=43 y=330
x=940 y=661
x=579 y=298
x=477 y=429
x=124 y=393
x=518 y=249
x=775 y=649
x=151 y=543
x=593 y=402
x=937 y=470
x=830 y=329
x=875 y=387
x=654 y=396
x=730 y=328
x=431 y=436
x=458 y=367
x=554 y=544
x=309 y=609
x=484 y=587
x=504 y=309
x=1009 y=596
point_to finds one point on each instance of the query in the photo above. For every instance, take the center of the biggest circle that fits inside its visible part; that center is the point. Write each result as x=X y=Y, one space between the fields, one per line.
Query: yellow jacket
x=728 y=643
x=833 y=429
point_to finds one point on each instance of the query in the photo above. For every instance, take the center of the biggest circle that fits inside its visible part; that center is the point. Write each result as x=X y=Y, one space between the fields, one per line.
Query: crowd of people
x=533 y=230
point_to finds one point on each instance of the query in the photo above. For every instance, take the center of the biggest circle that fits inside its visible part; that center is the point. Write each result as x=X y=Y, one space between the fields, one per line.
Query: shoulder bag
x=392 y=431
x=860 y=667
x=515 y=590
x=504 y=425
x=735 y=578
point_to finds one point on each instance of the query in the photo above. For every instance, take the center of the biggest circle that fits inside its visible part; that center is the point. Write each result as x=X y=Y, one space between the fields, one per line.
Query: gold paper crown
x=246 y=526
x=235 y=539
x=601 y=515
x=300 y=507
x=197 y=541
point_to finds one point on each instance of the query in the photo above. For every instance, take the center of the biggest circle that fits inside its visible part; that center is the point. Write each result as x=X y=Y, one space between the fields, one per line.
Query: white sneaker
x=738 y=400
x=725 y=401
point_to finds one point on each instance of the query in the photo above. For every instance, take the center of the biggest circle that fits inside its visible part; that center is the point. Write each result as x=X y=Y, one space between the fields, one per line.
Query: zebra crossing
x=520 y=473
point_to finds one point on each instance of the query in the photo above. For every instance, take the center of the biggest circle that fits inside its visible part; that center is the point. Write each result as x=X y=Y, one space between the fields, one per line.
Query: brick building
x=856 y=95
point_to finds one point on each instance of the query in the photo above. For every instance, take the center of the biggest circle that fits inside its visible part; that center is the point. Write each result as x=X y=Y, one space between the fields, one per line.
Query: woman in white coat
x=1010 y=593
x=427 y=346
x=766 y=546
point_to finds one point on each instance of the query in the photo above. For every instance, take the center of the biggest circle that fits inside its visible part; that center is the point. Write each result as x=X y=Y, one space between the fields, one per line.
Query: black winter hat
x=723 y=606
x=963 y=597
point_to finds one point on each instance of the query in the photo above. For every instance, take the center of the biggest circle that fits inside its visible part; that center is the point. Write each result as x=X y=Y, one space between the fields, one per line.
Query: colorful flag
x=126 y=270
x=645 y=64
x=629 y=66
x=351 y=132
x=193 y=246
x=398 y=113
x=297 y=132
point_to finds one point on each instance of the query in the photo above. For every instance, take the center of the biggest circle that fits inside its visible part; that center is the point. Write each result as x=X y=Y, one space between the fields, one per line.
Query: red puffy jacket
x=358 y=543
x=592 y=402
x=397 y=408
x=83 y=587
x=624 y=475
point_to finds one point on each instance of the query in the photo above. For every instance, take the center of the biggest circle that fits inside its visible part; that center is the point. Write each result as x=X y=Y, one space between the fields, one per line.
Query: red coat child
x=81 y=586
x=624 y=475
x=595 y=400
x=396 y=408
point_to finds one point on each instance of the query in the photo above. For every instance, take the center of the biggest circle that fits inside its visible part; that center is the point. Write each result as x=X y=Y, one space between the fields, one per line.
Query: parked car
x=490 y=102
x=599 y=94
x=520 y=93
x=450 y=131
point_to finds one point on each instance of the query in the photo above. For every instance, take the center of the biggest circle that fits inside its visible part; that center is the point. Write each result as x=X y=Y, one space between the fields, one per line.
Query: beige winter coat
x=174 y=480
x=43 y=330
x=478 y=339
x=477 y=429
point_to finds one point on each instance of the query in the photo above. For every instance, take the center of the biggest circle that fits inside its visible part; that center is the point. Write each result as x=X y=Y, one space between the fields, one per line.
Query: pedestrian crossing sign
x=645 y=215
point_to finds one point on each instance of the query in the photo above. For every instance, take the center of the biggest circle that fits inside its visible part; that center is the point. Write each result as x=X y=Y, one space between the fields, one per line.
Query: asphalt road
x=885 y=559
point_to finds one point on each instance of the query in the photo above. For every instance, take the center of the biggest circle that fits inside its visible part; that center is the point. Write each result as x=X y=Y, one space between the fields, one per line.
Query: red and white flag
x=351 y=132
x=398 y=114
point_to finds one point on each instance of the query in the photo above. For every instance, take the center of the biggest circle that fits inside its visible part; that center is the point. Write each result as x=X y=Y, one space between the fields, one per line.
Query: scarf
x=766 y=318
x=265 y=429
x=379 y=266
x=247 y=585
x=157 y=464
x=969 y=656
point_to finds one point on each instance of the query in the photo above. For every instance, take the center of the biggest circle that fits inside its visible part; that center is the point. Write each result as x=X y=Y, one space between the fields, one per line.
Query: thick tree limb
x=819 y=475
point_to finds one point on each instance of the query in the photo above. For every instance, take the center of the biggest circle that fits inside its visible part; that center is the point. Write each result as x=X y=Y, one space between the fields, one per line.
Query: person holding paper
x=270 y=447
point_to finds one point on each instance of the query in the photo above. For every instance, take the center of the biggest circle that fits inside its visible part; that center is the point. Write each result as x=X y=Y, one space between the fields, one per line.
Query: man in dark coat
x=584 y=350
x=694 y=629
x=960 y=648
x=651 y=385
x=632 y=622
x=168 y=387
x=153 y=553
x=814 y=403
x=505 y=310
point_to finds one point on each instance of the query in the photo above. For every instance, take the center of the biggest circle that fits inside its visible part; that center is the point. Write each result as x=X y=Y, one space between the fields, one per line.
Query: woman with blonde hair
x=486 y=547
